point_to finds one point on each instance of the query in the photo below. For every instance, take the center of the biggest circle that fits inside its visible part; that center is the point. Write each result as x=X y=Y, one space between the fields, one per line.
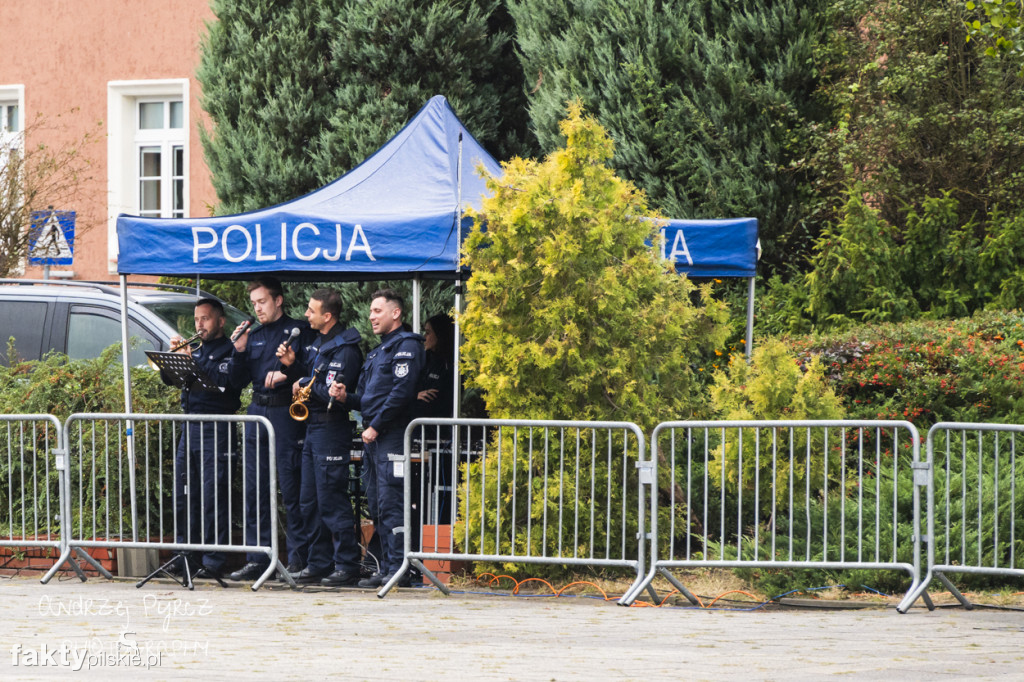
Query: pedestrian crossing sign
x=52 y=238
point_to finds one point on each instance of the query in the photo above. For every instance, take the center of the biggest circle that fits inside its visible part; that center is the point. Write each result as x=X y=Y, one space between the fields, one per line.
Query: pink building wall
x=64 y=52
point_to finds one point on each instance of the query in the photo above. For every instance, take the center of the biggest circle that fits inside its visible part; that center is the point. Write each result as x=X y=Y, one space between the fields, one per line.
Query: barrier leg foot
x=65 y=557
x=635 y=589
x=394 y=579
x=430 y=576
x=964 y=601
x=679 y=586
x=275 y=566
x=95 y=564
x=916 y=590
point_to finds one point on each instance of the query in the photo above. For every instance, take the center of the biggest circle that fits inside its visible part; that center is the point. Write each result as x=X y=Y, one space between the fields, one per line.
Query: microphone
x=240 y=329
x=287 y=342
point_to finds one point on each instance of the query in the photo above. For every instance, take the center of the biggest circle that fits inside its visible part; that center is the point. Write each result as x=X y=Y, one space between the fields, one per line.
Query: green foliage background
x=708 y=102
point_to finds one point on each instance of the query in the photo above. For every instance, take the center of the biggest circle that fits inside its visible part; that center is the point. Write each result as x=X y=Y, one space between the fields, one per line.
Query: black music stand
x=182 y=372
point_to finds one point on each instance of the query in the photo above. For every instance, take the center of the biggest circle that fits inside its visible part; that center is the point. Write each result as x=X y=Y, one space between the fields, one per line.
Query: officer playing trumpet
x=333 y=356
x=204 y=454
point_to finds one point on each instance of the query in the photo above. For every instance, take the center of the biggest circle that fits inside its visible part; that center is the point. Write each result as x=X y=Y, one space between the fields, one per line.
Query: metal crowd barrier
x=525 y=491
x=976 y=504
x=784 y=494
x=30 y=484
x=127 y=488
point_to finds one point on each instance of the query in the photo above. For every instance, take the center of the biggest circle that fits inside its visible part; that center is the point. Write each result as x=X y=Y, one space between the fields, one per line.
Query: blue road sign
x=52 y=238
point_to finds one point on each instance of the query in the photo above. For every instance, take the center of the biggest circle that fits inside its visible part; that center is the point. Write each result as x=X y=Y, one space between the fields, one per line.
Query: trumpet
x=187 y=342
x=298 y=410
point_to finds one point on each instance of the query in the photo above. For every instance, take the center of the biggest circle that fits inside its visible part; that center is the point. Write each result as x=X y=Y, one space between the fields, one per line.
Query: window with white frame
x=147 y=152
x=160 y=146
x=11 y=124
x=12 y=141
x=10 y=117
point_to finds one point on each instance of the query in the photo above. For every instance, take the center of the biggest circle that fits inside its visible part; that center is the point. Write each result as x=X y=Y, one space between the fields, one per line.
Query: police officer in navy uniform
x=333 y=357
x=255 y=361
x=205 y=450
x=384 y=397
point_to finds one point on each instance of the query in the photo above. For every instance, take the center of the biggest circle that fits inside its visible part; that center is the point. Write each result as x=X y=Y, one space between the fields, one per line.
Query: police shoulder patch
x=401 y=369
x=403 y=354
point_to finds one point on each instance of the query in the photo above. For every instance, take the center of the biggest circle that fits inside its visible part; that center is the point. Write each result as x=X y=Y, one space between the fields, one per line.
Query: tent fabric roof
x=393 y=216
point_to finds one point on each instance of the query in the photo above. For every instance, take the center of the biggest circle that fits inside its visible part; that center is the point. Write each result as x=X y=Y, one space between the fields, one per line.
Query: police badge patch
x=401 y=369
x=330 y=376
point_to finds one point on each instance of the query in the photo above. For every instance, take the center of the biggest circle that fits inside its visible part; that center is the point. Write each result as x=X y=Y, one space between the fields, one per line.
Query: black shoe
x=340 y=579
x=308 y=577
x=372 y=582
x=250 y=571
x=207 y=572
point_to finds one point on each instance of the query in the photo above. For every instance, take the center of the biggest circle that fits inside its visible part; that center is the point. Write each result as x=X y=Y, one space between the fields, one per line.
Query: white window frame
x=124 y=142
x=165 y=139
x=13 y=94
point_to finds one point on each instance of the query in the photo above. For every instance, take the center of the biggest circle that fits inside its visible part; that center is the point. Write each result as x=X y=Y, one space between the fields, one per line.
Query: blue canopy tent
x=397 y=215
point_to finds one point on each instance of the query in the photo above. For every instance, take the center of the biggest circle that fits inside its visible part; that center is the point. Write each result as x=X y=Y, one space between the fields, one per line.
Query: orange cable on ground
x=540 y=580
x=495 y=578
x=712 y=603
x=637 y=603
x=583 y=582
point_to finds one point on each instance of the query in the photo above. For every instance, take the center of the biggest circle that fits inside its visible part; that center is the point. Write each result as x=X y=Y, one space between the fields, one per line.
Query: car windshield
x=181 y=316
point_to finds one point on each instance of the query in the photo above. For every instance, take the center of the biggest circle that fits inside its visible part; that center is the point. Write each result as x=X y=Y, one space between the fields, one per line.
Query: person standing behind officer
x=334 y=356
x=255 y=360
x=386 y=392
x=204 y=456
x=435 y=389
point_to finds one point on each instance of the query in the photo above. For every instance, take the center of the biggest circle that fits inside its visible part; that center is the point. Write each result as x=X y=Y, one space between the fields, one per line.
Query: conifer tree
x=570 y=313
x=705 y=100
x=300 y=93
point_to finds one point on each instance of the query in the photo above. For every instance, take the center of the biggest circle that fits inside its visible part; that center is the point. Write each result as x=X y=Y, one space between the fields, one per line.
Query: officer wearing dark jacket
x=384 y=397
x=204 y=456
x=255 y=361
x=333 y=356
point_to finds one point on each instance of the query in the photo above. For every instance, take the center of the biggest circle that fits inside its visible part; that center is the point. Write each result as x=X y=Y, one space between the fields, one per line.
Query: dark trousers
x=325 y=498
x=385 y=494
x=202 y=470
x=289 y=436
